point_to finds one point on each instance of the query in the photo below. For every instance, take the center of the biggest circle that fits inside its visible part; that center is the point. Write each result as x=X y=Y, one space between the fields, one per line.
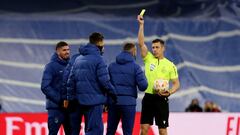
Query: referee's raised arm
x=142 y=45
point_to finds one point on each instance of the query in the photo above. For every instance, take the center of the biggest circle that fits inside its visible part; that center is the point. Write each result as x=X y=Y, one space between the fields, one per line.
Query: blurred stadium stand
x=156 y=8
x=203 y=40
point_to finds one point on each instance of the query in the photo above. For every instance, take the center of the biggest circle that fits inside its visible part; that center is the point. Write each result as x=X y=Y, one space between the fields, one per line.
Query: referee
x=155 y=104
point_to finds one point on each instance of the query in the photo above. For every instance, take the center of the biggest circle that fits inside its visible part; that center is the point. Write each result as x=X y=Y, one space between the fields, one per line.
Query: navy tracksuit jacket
x=89 y=83
x=126 y=76
x=52 y=87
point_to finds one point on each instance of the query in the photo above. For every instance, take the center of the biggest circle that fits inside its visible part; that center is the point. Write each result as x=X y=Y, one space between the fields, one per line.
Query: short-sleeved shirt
x=158 y=69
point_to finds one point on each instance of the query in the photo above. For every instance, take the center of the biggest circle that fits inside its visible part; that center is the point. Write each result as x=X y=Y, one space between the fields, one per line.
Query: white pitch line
x=20 y=83
x=206 y=89
x=234 y=68
x=21 y=64
x=187 y=38
x=179 y=94
x=192 y=90
x=220 y=34
x=22 y=100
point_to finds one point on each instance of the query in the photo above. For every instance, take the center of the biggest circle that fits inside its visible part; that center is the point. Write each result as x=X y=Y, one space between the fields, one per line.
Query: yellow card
x=142 y=12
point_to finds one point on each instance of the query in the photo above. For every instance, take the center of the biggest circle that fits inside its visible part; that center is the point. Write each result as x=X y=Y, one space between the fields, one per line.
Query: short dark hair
x=158 y=40
x=61 y=44
x=128 y=46
x=95 y=37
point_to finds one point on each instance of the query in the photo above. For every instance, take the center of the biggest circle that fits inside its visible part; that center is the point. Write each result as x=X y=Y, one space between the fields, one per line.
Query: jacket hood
x=124 y=57
x=80 y=47
x=89 y=49
x=55 y=58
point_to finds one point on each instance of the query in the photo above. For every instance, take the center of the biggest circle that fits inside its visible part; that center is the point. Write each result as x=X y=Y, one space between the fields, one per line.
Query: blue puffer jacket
x=126 y=76
x=89 y=78
x=67 y=73
x=51 y=84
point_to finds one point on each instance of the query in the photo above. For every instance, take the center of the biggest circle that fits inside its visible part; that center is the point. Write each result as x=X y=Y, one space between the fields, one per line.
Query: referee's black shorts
x=155 y=106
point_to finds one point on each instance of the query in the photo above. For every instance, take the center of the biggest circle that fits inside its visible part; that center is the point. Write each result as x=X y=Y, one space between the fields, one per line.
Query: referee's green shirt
x=158 y=69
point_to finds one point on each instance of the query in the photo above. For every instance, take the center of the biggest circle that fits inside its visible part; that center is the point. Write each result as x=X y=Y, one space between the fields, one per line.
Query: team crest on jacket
x=152 y=67
x=56 y=120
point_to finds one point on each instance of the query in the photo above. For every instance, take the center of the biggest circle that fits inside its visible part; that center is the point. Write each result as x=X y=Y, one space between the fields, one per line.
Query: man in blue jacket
x=89 y=82
x=126 y=76
x=66 y=74
x=51 y=86
x=72 y=107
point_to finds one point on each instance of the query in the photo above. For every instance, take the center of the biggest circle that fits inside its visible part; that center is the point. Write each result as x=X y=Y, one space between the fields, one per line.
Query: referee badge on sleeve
x=152 y=67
